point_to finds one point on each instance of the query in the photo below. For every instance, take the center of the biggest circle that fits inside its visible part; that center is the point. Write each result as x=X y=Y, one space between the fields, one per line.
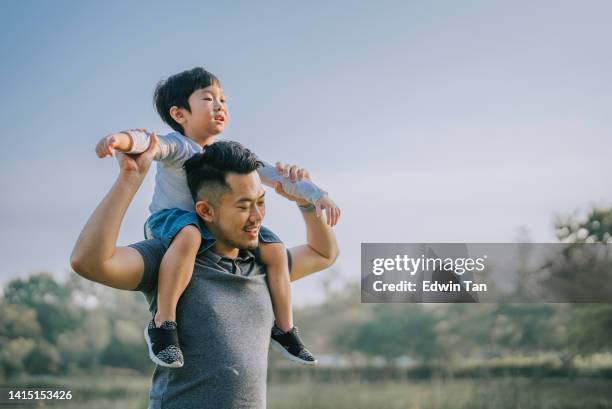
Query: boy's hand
x=120 y=141
x=331 y=209
x=324 y=204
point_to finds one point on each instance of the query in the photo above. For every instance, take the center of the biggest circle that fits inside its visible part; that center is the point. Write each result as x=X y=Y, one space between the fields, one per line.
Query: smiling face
x=236 y=217
x=207 y=117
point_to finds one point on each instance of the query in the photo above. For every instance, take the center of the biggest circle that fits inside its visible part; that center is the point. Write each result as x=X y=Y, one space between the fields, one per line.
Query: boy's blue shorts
x=165 y=224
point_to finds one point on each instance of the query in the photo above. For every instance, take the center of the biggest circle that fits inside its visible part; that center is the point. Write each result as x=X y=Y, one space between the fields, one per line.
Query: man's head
x=192 y=102
x=228 y=194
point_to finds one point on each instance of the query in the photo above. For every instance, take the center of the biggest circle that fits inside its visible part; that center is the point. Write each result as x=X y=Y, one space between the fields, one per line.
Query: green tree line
x=51 y=327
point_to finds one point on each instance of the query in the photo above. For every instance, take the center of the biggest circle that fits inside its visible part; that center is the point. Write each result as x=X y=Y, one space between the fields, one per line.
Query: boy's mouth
x=219 y=118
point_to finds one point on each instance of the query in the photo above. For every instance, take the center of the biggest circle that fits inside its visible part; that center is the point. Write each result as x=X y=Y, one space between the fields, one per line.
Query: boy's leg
x=284 y=335
x=175 y=272
x=274 y=256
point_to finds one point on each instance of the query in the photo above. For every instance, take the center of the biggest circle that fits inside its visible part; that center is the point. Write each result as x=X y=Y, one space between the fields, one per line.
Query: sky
x=426 y=121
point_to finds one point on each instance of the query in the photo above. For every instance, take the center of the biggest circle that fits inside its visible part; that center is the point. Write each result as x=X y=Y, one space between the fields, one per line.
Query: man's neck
x=220 y=248
x=225 y=251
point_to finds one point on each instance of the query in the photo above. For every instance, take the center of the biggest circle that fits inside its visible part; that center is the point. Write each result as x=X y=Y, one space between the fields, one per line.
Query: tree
x=394 y=331
x=590 y=324
x=51 y=301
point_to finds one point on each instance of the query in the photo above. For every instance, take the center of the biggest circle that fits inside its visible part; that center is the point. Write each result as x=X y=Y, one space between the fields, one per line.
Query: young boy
x=193 y=104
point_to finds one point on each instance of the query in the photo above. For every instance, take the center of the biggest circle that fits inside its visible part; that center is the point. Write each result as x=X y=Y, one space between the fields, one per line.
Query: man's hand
x=294 y=173
x=137 y=166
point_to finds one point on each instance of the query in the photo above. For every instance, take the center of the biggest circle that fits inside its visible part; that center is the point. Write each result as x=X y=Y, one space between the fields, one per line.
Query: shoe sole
x=277 y=346
x=155 y=359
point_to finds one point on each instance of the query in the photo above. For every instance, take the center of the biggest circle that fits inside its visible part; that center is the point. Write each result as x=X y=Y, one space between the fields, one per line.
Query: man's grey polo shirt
x=224 y=321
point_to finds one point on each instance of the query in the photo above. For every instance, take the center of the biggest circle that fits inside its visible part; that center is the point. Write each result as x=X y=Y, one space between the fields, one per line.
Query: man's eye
x=243 y=208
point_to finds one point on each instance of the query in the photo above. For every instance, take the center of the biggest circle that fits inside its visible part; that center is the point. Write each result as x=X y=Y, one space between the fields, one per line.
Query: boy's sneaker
x=163 y=344
x=291 y=346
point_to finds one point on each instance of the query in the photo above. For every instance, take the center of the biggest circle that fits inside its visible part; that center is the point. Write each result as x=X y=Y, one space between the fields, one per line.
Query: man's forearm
x=320 y=250
x=319 y=236
x=97 y=241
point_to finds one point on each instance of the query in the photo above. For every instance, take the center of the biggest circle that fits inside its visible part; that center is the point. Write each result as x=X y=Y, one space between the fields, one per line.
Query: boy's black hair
x=209 y=169
x=176 y=90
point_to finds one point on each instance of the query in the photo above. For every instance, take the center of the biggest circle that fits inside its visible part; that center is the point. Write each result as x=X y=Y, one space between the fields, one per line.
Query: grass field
x=131 y=393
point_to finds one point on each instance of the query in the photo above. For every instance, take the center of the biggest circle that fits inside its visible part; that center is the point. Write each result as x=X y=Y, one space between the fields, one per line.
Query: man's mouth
x=252 y=231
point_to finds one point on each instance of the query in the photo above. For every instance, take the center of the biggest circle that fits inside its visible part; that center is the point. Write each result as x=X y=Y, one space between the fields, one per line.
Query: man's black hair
x=176 y=90
x=209 y=169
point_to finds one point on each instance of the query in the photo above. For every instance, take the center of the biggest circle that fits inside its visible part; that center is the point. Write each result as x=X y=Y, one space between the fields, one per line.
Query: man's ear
x=178 y=114
x=205 y=210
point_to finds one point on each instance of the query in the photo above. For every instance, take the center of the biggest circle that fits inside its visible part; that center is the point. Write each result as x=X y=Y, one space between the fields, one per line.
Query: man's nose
x=256 y=214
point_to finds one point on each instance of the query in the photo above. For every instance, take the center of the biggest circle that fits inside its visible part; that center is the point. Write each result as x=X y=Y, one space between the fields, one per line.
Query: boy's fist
x=331 y=209
x=106 y=145
x=120 y=141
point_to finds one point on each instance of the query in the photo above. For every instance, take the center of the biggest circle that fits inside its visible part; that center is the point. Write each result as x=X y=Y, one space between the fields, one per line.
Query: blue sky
x=426 y=121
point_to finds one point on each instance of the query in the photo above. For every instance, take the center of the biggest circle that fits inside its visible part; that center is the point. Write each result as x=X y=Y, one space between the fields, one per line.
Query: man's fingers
x=153 y=142
x=280 y=168
x=293 y=173
x=278 y=188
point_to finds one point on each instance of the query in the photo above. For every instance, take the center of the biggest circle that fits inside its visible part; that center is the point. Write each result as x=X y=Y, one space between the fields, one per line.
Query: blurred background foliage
x=54 y=330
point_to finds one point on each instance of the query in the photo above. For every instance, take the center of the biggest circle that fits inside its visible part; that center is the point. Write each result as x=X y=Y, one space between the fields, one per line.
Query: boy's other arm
x=95 y=255
x=296 y=182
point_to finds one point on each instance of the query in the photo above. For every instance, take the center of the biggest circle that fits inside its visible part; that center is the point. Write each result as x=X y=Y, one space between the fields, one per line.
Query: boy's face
x=209 y=114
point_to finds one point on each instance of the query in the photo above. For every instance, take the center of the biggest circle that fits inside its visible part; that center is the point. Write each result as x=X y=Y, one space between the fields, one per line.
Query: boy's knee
x=272 y=252
x=188 y=237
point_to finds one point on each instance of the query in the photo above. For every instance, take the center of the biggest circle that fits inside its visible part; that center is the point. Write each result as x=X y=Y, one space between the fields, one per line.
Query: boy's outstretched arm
x=95 y=255
x=169 y=149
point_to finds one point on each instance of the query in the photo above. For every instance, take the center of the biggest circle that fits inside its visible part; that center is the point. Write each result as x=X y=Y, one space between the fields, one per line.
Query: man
x=225 y=312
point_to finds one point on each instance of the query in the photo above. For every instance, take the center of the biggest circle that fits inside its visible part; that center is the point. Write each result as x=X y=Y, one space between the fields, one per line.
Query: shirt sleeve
x=152 y=252
x=304 y=189
x=172 y=149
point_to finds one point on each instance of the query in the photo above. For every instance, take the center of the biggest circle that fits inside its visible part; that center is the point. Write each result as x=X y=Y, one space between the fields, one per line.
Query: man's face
x=239 y=213
x=209 y=114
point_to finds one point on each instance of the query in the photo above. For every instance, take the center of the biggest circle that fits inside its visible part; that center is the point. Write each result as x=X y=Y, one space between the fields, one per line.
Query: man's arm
x=95 y=255
x=321 y=249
